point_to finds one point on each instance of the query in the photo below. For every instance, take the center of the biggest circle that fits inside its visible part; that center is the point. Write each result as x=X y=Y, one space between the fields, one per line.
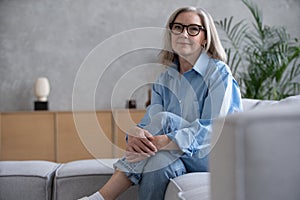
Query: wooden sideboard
x=27 y=136
x=65 y=136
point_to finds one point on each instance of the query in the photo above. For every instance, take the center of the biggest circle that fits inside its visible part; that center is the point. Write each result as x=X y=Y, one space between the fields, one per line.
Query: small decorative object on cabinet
x=41 y=90
x=131 y=103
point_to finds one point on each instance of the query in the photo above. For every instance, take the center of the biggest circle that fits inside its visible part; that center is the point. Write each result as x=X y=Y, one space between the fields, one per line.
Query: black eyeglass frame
x=201 y=28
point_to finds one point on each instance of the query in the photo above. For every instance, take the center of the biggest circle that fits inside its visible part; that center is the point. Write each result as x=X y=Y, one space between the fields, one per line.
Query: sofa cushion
x=26 y=179
x=250 y=104
x=202 y=193
x=289 y=100
x=186 y=184
x=81 y=178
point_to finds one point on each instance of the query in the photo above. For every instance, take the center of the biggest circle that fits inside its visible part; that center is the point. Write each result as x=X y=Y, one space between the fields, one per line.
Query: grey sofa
x=263 y=140
x=38 y=180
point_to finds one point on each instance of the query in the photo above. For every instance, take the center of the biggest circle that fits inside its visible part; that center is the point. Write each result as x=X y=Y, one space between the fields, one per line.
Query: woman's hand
x=139 y=145
x=163 y=142
x=142 y=144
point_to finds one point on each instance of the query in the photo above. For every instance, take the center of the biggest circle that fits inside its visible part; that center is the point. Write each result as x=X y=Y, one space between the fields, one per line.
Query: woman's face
x=183 y=44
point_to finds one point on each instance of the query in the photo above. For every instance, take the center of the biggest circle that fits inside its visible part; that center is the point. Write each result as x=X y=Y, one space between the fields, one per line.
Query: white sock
x=96 y=196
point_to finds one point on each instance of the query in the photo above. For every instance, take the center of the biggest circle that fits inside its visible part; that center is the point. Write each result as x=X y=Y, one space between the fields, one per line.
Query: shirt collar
x=200 y=65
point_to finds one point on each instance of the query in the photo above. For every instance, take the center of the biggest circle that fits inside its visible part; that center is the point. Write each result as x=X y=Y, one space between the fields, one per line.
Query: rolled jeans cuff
x=132 y=170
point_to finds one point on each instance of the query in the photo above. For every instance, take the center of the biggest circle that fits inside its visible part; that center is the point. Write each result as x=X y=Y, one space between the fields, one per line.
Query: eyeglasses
x=192 y=29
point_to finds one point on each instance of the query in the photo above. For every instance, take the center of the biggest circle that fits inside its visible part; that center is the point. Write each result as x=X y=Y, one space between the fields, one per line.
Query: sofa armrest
x=26 y=179
x=257 y=155
x=185 y=184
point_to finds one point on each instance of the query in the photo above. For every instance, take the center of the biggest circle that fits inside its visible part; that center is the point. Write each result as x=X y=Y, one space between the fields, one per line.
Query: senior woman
x=173 y=138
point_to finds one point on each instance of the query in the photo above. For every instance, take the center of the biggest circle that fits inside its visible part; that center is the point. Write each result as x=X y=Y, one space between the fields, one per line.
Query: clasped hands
x=141 y=144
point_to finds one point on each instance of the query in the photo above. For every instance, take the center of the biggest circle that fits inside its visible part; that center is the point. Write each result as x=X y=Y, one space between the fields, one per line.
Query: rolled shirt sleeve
x=223 y=98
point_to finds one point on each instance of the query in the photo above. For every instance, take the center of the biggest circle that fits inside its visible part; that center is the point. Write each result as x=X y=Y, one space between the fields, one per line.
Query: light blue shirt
x=198 y=96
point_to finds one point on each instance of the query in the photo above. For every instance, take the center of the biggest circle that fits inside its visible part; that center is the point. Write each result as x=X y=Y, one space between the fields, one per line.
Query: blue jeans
x=153 y=174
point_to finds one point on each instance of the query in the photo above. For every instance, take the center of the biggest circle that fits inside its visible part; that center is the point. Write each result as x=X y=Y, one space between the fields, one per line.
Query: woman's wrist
x=163 y=142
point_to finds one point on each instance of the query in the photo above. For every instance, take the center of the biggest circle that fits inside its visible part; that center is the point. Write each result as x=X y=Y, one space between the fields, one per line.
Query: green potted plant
x=264 y=59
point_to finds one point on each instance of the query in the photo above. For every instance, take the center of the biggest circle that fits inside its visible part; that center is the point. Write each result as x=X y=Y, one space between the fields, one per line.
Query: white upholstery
x=254 y=104
x=187 y=182
x=257 y=156
x=202 y=193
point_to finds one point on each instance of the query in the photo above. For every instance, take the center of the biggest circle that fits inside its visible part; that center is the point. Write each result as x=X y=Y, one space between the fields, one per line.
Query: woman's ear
x=203 y=44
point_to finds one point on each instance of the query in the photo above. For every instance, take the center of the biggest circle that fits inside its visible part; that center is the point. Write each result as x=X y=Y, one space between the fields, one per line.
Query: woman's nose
x=185 y=32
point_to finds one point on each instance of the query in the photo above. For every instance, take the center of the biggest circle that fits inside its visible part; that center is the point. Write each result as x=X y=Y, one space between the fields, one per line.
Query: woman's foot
x=95 y=196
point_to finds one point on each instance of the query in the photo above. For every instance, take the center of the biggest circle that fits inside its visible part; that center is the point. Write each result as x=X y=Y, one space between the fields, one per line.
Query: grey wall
x=54 y=38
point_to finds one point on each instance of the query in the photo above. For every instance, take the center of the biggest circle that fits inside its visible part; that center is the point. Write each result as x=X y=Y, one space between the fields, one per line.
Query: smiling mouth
x=183 y=43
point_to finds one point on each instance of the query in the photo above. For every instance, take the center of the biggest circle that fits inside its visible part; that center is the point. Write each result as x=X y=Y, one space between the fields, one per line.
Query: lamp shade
x=42 y=88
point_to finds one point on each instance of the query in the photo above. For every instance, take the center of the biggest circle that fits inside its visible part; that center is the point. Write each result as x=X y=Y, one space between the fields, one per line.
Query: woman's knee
x=163 y=160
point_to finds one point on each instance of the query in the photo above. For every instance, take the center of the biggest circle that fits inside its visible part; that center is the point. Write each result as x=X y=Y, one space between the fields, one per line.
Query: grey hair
x=213 y=46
